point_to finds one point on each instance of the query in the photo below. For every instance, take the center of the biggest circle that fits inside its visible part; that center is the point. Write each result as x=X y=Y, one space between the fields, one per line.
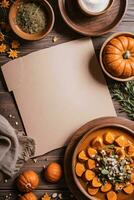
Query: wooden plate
x=74 y=141
x=94 y=25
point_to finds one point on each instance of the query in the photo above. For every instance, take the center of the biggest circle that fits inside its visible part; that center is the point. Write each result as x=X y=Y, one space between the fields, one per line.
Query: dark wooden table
x=8 y=106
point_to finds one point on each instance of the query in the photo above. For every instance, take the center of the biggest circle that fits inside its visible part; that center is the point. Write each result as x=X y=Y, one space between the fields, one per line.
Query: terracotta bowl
x=101 y=57
x=84 y=141
x=86 y=12
x=36 y=36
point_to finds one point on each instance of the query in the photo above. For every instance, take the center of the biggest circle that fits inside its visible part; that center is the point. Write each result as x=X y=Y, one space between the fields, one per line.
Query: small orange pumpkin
x=28 y=196
x=53 y=172
x=27 y=181
x=118 y=56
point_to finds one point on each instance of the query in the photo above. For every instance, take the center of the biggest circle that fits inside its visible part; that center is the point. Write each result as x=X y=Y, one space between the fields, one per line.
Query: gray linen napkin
x=15 y=148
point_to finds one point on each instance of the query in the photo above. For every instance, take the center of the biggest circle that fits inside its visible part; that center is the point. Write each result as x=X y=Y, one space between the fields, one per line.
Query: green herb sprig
x=124 y=94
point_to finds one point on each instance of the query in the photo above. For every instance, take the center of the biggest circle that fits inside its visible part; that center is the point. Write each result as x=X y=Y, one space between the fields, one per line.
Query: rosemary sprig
x=124 y=94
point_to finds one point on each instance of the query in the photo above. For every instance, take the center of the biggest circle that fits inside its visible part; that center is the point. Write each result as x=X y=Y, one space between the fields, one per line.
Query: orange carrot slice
x=91 y=152
x=111 y=195
x=109 y=138
x=88 y=175
x=107 y=187
x=82 y=156
x=91 y=164
x=97 y=142
x=79 y=169
x=92 y=191
x=96 y=182
x=121 y=141
x=130 y=150
x=129 y=189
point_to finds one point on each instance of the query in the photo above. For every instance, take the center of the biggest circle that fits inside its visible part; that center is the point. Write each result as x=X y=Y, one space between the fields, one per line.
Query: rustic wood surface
x=8 y=106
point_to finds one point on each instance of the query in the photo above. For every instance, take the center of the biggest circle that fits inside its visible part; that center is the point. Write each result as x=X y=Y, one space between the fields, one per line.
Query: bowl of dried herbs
x=31 y=19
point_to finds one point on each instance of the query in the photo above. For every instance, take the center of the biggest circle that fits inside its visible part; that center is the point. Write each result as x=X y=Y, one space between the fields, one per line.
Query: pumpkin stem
x=126 y=55
x=28 y=186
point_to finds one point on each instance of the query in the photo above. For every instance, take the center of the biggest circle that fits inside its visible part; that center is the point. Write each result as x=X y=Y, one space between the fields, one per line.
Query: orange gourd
x=118 y=56
x=53 y=173
x=27 y=181
x=28 y=196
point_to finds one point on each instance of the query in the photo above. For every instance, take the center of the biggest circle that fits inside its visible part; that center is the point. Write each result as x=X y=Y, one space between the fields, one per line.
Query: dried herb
x=124 y=94
x=31 y=18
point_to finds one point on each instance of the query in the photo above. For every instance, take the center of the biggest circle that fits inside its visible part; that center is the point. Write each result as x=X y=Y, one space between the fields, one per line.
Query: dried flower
x=15 y=44
x=2 y=37
x=3 y=48
x=12 y=53
x=4 y=4
x=46 y=197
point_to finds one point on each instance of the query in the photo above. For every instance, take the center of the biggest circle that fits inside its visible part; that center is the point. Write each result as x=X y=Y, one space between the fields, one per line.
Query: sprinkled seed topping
x=110 y=167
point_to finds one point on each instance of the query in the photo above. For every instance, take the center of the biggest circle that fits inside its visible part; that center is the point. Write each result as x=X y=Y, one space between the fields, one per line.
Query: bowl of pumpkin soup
x=103 y=163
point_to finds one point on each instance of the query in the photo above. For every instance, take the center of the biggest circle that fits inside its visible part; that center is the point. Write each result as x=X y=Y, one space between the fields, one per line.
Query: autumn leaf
x=12 y=53
x=15 y=44
x=5 y=4
x=3 y=48
x=46 y=197
x=2 y=37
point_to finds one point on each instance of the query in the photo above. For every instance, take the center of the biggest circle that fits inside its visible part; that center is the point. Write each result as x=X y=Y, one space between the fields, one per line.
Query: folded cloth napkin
x=15 y=148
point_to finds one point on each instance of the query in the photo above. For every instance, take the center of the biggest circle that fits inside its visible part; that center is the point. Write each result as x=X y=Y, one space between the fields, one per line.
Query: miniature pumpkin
x=53 y=172
x=28 y=196
x=118 y=56
x=27 y=181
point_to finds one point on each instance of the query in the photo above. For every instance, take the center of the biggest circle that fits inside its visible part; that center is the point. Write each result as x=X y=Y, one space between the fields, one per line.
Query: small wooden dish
x=78 y=135
x=94 y=13
x=36 y=36
x=93 y=25
x=101 y=57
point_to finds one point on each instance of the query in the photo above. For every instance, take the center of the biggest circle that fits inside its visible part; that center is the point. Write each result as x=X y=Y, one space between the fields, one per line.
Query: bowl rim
x=101 y=57
x=74 y=157
x=95 y=13
x=28 y=36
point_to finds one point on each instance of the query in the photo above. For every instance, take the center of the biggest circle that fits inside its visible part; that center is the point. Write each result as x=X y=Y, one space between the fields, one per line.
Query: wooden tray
x=92 y=26
x=75 y=139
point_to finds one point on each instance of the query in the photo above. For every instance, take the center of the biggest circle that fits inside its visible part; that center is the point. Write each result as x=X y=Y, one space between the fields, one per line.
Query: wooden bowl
x=101 y=57
x=27 y=36
x=84 y=141
x=85 y=11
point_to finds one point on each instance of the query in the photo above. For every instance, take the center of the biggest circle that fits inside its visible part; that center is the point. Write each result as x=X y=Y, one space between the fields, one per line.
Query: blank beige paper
x=58 y=90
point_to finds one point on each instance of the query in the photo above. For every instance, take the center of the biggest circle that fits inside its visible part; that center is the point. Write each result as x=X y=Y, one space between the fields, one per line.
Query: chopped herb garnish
x=111 y=168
